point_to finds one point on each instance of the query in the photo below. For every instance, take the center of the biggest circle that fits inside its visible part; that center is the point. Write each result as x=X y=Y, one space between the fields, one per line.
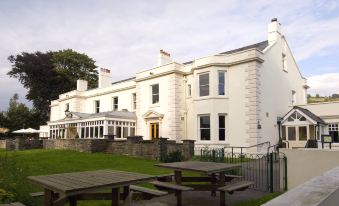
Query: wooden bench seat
x=13 y=204
x=37 y=194
x=177 y=188
x=147 y=193
x=165 y=177
x=231 y=188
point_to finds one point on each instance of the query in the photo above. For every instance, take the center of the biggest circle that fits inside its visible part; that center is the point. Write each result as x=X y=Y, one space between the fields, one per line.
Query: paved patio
x=194 y=198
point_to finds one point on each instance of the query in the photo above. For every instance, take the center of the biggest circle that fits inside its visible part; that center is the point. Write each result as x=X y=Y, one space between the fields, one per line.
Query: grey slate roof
x=124 y=80
x=260 y=46
x=112 y=114
x=310 y=114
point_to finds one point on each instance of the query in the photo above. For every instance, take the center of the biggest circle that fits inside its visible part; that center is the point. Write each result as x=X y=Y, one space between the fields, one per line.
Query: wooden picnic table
x=215 y=173
x=59 y=189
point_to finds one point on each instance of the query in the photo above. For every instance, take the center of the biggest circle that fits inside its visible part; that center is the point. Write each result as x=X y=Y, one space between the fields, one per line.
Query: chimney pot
x=274 y=19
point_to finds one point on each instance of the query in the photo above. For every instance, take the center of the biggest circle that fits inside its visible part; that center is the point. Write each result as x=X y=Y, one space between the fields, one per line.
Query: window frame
x=222 y=128
x=223 y=83
x=115 y=106
x=207 y=128
x=134 y=101
x=204 y=85
x=96 y=106
x=155 y=94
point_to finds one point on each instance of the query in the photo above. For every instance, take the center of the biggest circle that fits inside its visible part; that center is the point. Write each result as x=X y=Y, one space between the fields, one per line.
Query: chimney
x=164 y=58
x=274 y=31
x=82 y=85
x=105 y=79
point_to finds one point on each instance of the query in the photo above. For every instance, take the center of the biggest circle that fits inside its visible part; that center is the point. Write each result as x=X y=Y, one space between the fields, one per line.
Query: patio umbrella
x=31 y=131
x=20 y=131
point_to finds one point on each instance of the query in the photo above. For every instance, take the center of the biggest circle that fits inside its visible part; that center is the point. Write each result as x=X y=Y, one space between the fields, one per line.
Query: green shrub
x=13 y=181
x=174 y=156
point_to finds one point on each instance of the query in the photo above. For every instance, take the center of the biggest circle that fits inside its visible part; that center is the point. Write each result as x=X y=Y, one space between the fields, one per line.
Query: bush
x=174 y=156
x=14 y=187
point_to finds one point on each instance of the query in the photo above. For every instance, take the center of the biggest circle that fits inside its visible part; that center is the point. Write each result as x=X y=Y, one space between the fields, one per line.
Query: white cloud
x=126 y=35
x=324 y=84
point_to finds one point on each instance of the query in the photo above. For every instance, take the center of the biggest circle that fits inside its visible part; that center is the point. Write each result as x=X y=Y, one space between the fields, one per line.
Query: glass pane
x=118 y=132
x=204 y=79
x=101 y=133
x=155 y=89
x=311 y=132
x=87 y=132
x=155 y=98
x=221 y=121
x=221 y=134
x=204 y=91
x=204 y=121
x=132 y=131
x=335 y=136
x=82 y=132
x=125 y=132
x=221 y=85
x=205 y=134
x=283 y=132
x=302 y=119
x=96 y=134
x=303 y=133
x=291 y=133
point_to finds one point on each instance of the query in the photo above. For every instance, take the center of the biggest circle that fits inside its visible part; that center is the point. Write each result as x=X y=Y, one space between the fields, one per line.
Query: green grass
x=16 y=166
x=260 y=201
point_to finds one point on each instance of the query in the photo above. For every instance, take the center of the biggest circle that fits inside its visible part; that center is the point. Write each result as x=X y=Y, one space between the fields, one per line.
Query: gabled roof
x=260 y=46
x=306 y=112
x=310 y=114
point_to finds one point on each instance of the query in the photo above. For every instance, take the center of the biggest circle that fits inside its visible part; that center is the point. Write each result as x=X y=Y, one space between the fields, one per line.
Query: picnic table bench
x=60 y=189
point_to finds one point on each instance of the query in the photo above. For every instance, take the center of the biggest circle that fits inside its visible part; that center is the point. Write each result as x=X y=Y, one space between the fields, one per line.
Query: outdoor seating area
x=69 y=188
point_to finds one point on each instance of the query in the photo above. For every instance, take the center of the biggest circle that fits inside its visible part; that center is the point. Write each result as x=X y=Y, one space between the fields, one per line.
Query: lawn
x=16 y=166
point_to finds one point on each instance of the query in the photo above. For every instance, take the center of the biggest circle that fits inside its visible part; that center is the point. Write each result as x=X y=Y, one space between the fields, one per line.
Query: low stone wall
x=134 y=146
x=81 y=145
x=20 y=144
x=2 y=144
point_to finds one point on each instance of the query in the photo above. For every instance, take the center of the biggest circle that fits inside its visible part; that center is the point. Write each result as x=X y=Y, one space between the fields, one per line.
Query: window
x=115 y=103
x=125 y=132
x=291 y=131
x=67 y=107
x=101 y=131
x=205 y=127
x=132 y=131
x=222 y=127
x=118 y=132
x=204 y=87
x=221 y=83
x=134 y=101
x=334 y=131
x=303 y=133
x=283 y=132
x=96 y=106
x=189 y=90
x=284 y=62
x=155 y=93
x=294 y=97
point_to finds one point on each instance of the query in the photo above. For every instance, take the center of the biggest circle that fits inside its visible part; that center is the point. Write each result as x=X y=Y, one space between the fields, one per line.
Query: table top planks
x=77 y=182
x=197 y=166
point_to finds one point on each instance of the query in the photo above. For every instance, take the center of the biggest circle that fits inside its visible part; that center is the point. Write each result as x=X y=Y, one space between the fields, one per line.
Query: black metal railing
x=267 y=170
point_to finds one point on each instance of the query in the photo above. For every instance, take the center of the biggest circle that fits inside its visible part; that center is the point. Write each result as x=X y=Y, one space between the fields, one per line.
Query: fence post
x=271 y=172
x=201 y=157
x=232 y=156
x=213 y=155
x=241 y=154
x=222 y=154
x=285 y=162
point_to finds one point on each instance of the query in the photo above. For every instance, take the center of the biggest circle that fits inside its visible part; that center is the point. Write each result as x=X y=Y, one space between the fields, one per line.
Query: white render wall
x=276 y=88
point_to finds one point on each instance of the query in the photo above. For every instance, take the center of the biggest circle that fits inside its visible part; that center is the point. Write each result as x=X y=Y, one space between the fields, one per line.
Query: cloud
x=324 y=84
x=127 y=35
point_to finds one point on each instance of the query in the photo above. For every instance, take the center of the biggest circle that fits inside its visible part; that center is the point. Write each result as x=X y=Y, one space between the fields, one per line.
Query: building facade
x=233 y=98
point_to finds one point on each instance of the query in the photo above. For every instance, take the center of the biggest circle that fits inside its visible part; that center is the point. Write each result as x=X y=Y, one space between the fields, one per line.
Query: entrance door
x=154 y=130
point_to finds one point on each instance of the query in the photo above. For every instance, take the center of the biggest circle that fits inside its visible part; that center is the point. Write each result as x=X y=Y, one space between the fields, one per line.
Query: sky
x=126 y=36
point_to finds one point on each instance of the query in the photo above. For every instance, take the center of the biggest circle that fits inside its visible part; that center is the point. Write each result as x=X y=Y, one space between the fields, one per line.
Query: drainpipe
x=185 y=109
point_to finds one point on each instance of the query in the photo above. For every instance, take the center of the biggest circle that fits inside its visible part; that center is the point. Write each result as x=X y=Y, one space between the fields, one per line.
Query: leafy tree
x=18 y=115
x=47 y=75
x=335 y=95
x=317 y=96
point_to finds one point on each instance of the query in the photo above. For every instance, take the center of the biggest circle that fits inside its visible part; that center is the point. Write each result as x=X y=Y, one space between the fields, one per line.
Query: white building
x=231 y=98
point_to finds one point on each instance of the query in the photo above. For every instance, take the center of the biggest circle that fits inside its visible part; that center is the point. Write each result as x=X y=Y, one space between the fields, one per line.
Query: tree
x=47 y=75
x=335 y=96
x=18 y=115
x=317 y=96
